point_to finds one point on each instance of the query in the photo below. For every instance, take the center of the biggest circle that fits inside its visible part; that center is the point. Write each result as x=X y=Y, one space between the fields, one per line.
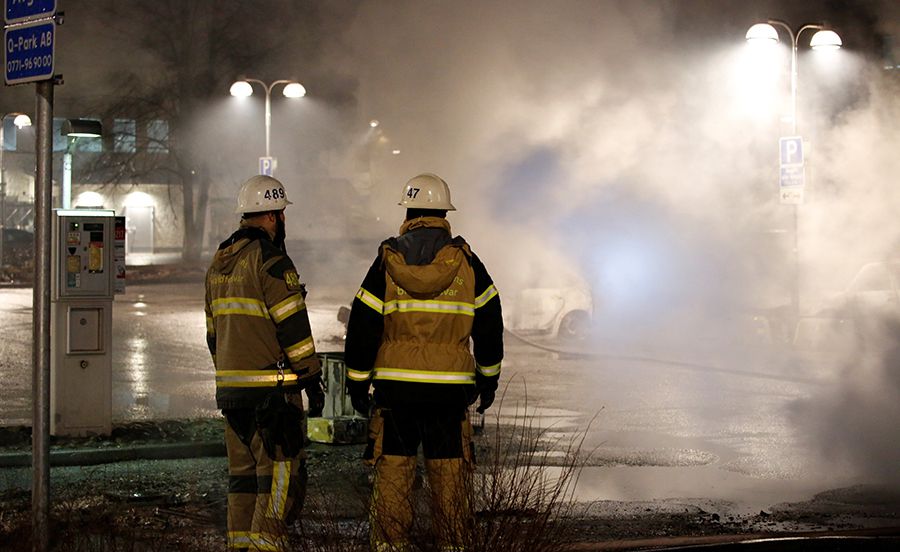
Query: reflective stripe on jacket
x=414 y=316
x=257 y=325
x=428 y=313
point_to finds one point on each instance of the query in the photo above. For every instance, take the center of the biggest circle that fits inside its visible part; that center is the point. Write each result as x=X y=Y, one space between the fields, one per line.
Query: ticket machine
x=82 y=287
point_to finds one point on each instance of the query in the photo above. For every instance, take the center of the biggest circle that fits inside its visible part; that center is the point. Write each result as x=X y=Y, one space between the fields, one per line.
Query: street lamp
x=21 y=120
x=292 y=89
x=75 y=129
x=823 y=39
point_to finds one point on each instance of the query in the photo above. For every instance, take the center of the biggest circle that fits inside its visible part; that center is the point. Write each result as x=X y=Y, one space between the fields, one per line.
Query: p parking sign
x=792 y=173
x=791 y=150
x=267 y=165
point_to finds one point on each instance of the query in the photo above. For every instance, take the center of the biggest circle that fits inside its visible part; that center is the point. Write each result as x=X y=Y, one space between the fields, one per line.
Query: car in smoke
x=871 y=299
x=873 y=292
x=560 y=312
x=564 y=313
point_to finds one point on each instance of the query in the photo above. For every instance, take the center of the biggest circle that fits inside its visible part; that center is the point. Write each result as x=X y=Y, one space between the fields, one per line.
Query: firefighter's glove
x=359 y=396
x=471 y=395
x=485 y=388
x=280 y=423
x=486 y=400
x=315 y=393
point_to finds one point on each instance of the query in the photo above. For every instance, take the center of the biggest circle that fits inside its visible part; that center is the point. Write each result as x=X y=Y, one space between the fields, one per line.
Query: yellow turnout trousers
x=264 y=494
x=394 y=439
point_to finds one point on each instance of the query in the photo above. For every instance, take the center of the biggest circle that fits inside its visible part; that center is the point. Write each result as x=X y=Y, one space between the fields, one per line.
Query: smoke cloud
x=631 y=149
x=627 y=148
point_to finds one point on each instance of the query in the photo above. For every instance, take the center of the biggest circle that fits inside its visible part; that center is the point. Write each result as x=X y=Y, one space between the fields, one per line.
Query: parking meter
x=82 y=288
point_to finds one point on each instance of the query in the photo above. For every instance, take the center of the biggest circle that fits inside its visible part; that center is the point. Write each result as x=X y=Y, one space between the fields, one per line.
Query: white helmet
x=426 y=191
x=261 y=193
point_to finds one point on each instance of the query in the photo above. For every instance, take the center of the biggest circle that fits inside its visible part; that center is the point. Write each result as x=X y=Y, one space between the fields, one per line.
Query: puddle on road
x=639 y=467
x=747 y=495
x=129 y=405
x=538 y=418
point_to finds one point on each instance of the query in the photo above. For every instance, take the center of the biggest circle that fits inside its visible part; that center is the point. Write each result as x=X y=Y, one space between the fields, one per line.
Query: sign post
x=29 y=45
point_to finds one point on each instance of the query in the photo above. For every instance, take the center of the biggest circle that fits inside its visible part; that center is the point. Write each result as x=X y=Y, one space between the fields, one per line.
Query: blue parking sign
x=267 y=166
x=29 y=52
x=17 y=11
x=791 y=150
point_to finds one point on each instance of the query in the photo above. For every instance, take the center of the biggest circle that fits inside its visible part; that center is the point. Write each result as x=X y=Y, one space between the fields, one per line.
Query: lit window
x=124 y=135
x=158 y=136
x=9 y=134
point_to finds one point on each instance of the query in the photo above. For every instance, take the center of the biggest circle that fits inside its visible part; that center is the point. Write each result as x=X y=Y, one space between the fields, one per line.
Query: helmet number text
x=412 y=192
x=274 y=193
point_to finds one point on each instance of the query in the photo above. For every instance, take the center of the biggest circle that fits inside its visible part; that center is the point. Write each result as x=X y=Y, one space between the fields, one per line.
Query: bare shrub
x=519 y=496
x=523 y=488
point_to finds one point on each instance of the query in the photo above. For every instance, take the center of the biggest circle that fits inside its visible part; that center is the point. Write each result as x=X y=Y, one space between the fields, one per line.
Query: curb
x=874 y=539
x=91 y=457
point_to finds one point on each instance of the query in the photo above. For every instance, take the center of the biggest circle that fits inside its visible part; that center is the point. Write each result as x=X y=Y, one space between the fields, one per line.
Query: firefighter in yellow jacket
x=426 y=306
x=262 y=347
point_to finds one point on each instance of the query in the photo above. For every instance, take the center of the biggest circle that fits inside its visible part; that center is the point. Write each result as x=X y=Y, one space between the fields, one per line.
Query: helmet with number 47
x=261 y=193
x=426 y=191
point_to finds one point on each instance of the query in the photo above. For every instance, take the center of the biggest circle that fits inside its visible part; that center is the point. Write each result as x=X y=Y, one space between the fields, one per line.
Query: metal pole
x=40 y=429
x=795 y=291
x=268 y=116
x=795 y=284
x=67 y=180
x=268 y=89
x=2 y=192
x=794 y=83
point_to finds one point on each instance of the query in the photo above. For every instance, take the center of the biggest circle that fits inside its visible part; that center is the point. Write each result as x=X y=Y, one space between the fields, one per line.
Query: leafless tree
x=178 y=56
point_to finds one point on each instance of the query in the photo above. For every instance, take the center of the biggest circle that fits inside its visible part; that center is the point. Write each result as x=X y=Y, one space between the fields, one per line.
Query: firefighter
x=259 y=336
x=424 y=299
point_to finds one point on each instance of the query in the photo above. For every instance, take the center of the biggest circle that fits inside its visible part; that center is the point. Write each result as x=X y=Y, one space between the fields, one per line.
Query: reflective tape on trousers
x=252 y=378
x=424 y=376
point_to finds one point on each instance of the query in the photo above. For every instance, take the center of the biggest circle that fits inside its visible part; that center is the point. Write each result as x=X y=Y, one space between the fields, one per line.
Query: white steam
x=601 y=143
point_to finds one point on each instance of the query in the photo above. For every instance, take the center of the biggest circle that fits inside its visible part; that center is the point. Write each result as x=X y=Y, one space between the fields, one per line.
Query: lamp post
x=21 y=120
x=75 y=129
x=823 y=39
x=292 y=89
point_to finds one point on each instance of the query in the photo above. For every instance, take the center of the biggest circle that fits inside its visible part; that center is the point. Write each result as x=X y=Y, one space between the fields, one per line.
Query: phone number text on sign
x=29 y=52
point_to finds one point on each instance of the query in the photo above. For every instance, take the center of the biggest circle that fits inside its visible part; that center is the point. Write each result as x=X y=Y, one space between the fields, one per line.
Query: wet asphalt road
x=161 y=366
x=713 y=424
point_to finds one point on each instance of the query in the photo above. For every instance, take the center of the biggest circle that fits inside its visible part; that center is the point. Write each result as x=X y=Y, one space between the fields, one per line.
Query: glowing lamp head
x=241 y=89
x=762 y=33
x=82 y=128
x=294 y=90
x=825 y=40
x=22 y=121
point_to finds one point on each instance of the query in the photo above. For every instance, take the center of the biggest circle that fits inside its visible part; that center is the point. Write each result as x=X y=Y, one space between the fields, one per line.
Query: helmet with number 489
x=261 y=193
x=426 y=191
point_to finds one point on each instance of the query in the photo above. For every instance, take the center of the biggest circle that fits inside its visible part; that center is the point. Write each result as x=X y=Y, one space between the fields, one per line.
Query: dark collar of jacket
x=245 y=232
x=421 y=238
